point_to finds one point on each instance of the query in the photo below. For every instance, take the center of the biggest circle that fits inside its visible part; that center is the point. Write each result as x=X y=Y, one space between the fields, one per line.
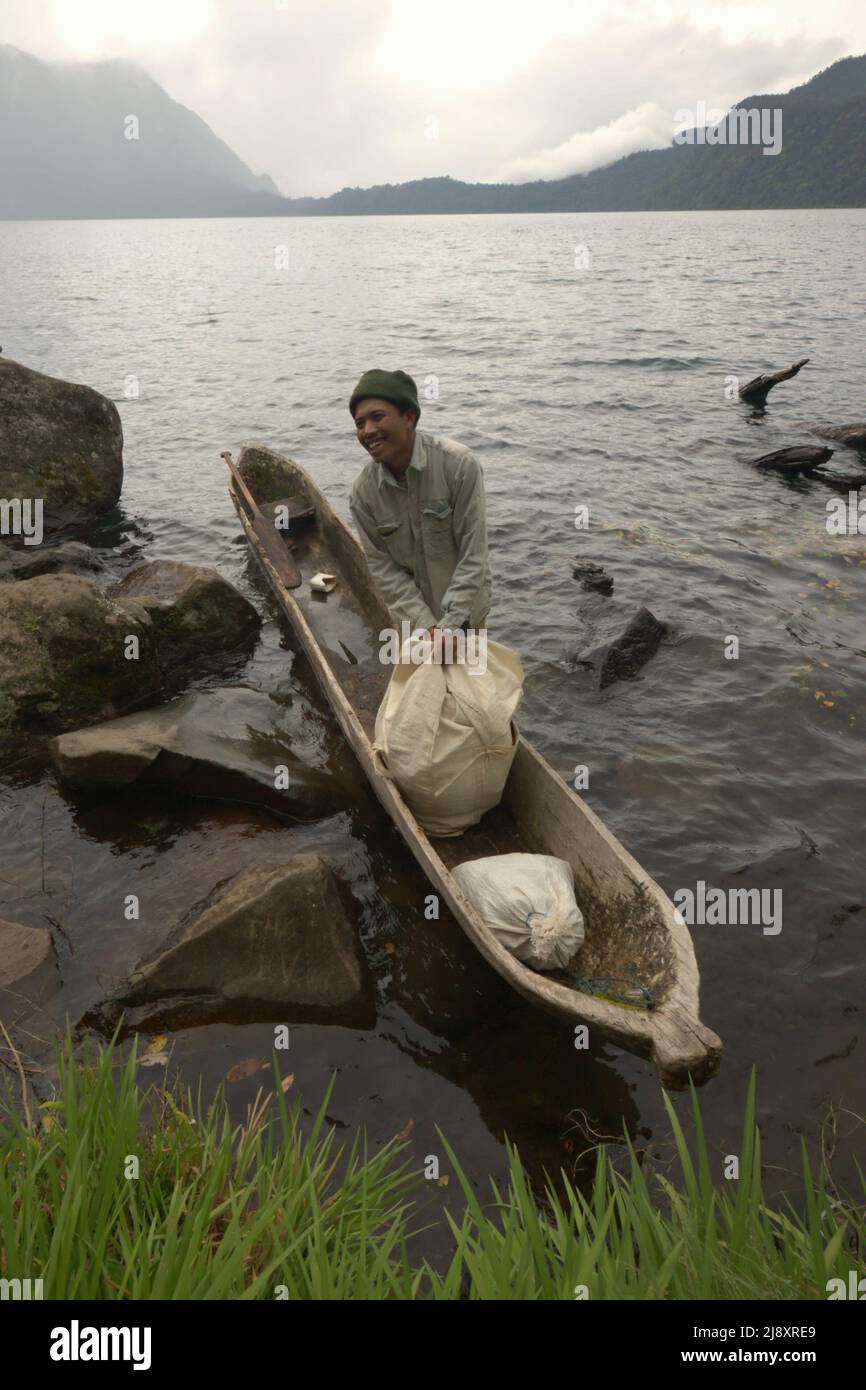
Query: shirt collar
x=418 y=460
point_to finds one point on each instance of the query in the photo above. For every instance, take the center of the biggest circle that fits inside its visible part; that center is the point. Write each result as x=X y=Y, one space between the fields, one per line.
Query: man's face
x=383 y=431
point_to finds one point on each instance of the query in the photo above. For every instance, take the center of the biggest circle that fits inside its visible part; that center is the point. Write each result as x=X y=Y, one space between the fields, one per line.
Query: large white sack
x=528 y=901
x=447 y=738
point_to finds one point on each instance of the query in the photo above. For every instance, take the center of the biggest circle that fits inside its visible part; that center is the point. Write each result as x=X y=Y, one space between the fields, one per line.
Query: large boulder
x=61 y=442
x=231 y=743
x=273 y=941
x=28 y=970
x=194 y=611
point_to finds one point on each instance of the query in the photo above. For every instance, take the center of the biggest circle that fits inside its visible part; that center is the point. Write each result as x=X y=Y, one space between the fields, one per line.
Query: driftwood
x=760 y=385
x=804 y=458
x=852 y=436
x=841 y=482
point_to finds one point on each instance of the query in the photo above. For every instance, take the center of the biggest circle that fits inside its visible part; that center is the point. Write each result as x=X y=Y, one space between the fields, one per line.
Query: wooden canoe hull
x=629 y=919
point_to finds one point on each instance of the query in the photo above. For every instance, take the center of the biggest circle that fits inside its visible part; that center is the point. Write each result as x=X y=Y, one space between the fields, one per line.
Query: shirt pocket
x=397 y=540
x=436 y=519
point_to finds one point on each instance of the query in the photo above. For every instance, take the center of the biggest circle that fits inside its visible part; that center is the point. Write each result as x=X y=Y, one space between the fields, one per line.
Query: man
x=419 y=508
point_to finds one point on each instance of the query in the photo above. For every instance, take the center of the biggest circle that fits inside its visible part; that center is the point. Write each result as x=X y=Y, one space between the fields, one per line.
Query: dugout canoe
x=632 y=930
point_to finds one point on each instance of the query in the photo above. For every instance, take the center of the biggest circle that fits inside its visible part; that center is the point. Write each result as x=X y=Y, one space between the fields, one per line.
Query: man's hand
x=445 y=644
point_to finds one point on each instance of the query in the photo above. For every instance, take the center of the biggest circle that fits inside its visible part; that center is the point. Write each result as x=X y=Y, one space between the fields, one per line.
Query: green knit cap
x=397 y=387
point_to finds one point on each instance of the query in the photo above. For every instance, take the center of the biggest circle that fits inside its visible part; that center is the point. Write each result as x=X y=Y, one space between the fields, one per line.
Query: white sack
x=447 y=737
x=528 y=901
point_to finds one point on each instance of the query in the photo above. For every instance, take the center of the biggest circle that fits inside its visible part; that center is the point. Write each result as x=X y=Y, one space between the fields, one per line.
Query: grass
x=114 y=1193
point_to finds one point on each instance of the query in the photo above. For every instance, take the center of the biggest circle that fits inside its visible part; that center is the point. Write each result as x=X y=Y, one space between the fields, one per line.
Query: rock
x=62 y=654
x=196 y=613
x=61 y=442
x=592 y=577
x=215 y=743
x=274 y=938
x=28 y=970
x=63 y=642
x=619 y=657
x=73 y=557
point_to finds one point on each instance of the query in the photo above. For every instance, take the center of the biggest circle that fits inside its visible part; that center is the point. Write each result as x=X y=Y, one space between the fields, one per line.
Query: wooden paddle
x=276 y=552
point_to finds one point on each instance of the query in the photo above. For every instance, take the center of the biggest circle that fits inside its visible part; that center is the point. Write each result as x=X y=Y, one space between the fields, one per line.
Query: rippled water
x=602 y=386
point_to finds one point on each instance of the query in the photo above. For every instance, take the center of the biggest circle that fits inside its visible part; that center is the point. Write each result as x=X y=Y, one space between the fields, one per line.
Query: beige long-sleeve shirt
x=425 y=537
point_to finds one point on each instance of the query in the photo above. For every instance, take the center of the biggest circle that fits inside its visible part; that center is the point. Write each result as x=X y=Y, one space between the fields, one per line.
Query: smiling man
x=419 y=508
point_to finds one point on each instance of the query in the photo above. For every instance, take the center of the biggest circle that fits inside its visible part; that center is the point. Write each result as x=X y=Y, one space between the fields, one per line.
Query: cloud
x=647 y=127
x=321 y=94
x=616 y=91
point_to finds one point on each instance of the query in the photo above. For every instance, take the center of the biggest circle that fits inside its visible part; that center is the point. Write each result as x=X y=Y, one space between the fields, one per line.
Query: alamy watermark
x=413 y=646
x=846 y=516
x=77 y=1343
x=22 y=516
x=741 y=125
x=25 y=1289
x=718 y=907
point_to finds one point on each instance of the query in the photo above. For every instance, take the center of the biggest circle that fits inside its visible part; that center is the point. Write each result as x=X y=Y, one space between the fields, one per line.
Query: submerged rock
x=592 y=577
x=73 y=557
x=622 y=652
x=275 y=937
x=28 y=970
x=61 y=442
x=195 y=612
x=216 y=743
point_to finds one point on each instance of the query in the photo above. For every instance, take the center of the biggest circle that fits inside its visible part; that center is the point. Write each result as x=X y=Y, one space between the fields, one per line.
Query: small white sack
x=528 y=901
x=447 y=736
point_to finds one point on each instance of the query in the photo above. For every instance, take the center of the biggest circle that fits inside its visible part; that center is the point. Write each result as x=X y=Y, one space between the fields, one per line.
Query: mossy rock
x=73 y=654
x=195 y=613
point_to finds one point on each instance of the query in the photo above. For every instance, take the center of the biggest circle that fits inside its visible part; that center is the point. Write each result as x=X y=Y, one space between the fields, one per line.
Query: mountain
x=64 y=152
x=821 y=163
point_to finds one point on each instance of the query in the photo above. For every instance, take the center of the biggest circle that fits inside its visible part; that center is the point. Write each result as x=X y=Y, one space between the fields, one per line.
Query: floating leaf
x=286 y=1082
x=247 y=1067
x=156 y=1054
x=404 y=1133
x=154 y=1059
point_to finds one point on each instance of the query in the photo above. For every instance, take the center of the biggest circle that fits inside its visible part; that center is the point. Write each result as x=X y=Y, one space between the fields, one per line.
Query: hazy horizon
x=485 y=94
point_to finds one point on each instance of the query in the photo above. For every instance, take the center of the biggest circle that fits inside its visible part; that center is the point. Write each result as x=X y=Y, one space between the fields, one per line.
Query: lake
x=588 y=361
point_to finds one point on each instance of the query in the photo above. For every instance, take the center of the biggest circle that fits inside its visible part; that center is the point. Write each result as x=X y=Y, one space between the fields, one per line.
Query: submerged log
x=852 y=436
x=841 y=482
x=804 y=458
x=760 y=385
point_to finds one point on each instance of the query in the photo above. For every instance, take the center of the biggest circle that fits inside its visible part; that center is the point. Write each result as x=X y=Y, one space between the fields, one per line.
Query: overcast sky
x=321 y=94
